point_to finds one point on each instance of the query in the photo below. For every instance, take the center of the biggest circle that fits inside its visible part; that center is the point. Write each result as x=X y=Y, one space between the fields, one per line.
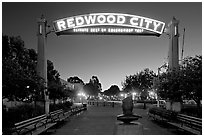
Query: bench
x=77 y=109
x=161 y=114
x=181 y=121
x=188 y=123
x=74 y=110
x=34 y=126
x=40 y=124
x=59 y=115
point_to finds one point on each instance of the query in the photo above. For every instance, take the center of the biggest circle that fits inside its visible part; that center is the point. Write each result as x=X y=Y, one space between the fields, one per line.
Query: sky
x=109 y=57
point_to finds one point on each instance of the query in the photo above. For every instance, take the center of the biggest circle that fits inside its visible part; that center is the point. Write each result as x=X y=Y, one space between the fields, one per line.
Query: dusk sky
x=109 y=57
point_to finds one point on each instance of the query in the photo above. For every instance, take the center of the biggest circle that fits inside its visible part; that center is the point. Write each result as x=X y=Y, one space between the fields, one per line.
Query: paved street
x=102 y=121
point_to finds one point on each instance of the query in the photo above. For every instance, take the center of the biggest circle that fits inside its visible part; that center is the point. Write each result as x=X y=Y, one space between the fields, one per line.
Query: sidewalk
x=102 y=121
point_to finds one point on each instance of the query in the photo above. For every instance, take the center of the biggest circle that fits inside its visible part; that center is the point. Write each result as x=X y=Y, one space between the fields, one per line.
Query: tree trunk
x=144 y=105
x=54 y=101
x=35 y=104
x=199 y=110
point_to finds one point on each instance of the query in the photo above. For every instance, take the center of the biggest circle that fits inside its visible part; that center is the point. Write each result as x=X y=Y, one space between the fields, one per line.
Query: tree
x=75 y=79
x=68 y=93
x=89 y=89
x=169 y=86
x=113 y=90
x=55 y=90
x=192 y=78
x=55 y=87
x=142 y=82
x=96 y=84
x=19 y=80
x=93 y=87
x=185 y=83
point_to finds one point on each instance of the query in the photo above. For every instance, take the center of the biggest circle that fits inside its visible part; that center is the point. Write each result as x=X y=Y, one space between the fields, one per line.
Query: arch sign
x=108 y=24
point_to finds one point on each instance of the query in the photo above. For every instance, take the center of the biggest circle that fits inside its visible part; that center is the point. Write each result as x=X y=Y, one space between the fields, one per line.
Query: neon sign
x=108 y=23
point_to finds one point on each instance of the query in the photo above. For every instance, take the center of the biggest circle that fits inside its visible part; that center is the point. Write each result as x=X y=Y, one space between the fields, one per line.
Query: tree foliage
x=75 y=79
x=141 y=82
x=55 y=87
x=192 y=75
x=113 y=90
x=93 y=87
x=184 y=84
x=20 y=80
x=19 y=77
x=169 y=86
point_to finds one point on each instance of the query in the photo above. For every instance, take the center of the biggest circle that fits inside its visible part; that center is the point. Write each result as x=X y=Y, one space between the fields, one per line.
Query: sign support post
x=173 y=55
x=173 y=59
x=41 y=59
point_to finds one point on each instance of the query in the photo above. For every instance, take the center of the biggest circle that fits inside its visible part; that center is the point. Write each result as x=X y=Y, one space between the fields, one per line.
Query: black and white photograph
x=101 y=68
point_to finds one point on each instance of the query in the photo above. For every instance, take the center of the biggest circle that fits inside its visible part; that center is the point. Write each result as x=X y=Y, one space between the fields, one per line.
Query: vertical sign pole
x=41 y=60
x=173 y=57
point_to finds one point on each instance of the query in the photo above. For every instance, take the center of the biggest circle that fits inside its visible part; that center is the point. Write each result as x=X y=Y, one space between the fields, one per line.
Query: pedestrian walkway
x=102 y=121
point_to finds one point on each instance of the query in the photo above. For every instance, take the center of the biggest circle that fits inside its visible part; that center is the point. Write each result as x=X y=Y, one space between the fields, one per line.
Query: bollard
x=113 y=104
x=104 y=104
x=97 y=104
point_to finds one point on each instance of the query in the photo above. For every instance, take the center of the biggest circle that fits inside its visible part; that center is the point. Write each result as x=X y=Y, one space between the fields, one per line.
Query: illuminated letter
x=121 y=19
x=141 y=22
x=111 y=19
x=61 y=25
x=79 y=21
x=148 y=22
x=101 y=17
x=132 y=21
x=90 y=19
x=175 y=31
x=156 y=25
x=70 y=23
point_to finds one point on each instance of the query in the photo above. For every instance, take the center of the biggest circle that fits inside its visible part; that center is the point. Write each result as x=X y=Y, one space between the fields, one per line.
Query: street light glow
x=133 y=93
x=151 y=93
x=79 y=94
